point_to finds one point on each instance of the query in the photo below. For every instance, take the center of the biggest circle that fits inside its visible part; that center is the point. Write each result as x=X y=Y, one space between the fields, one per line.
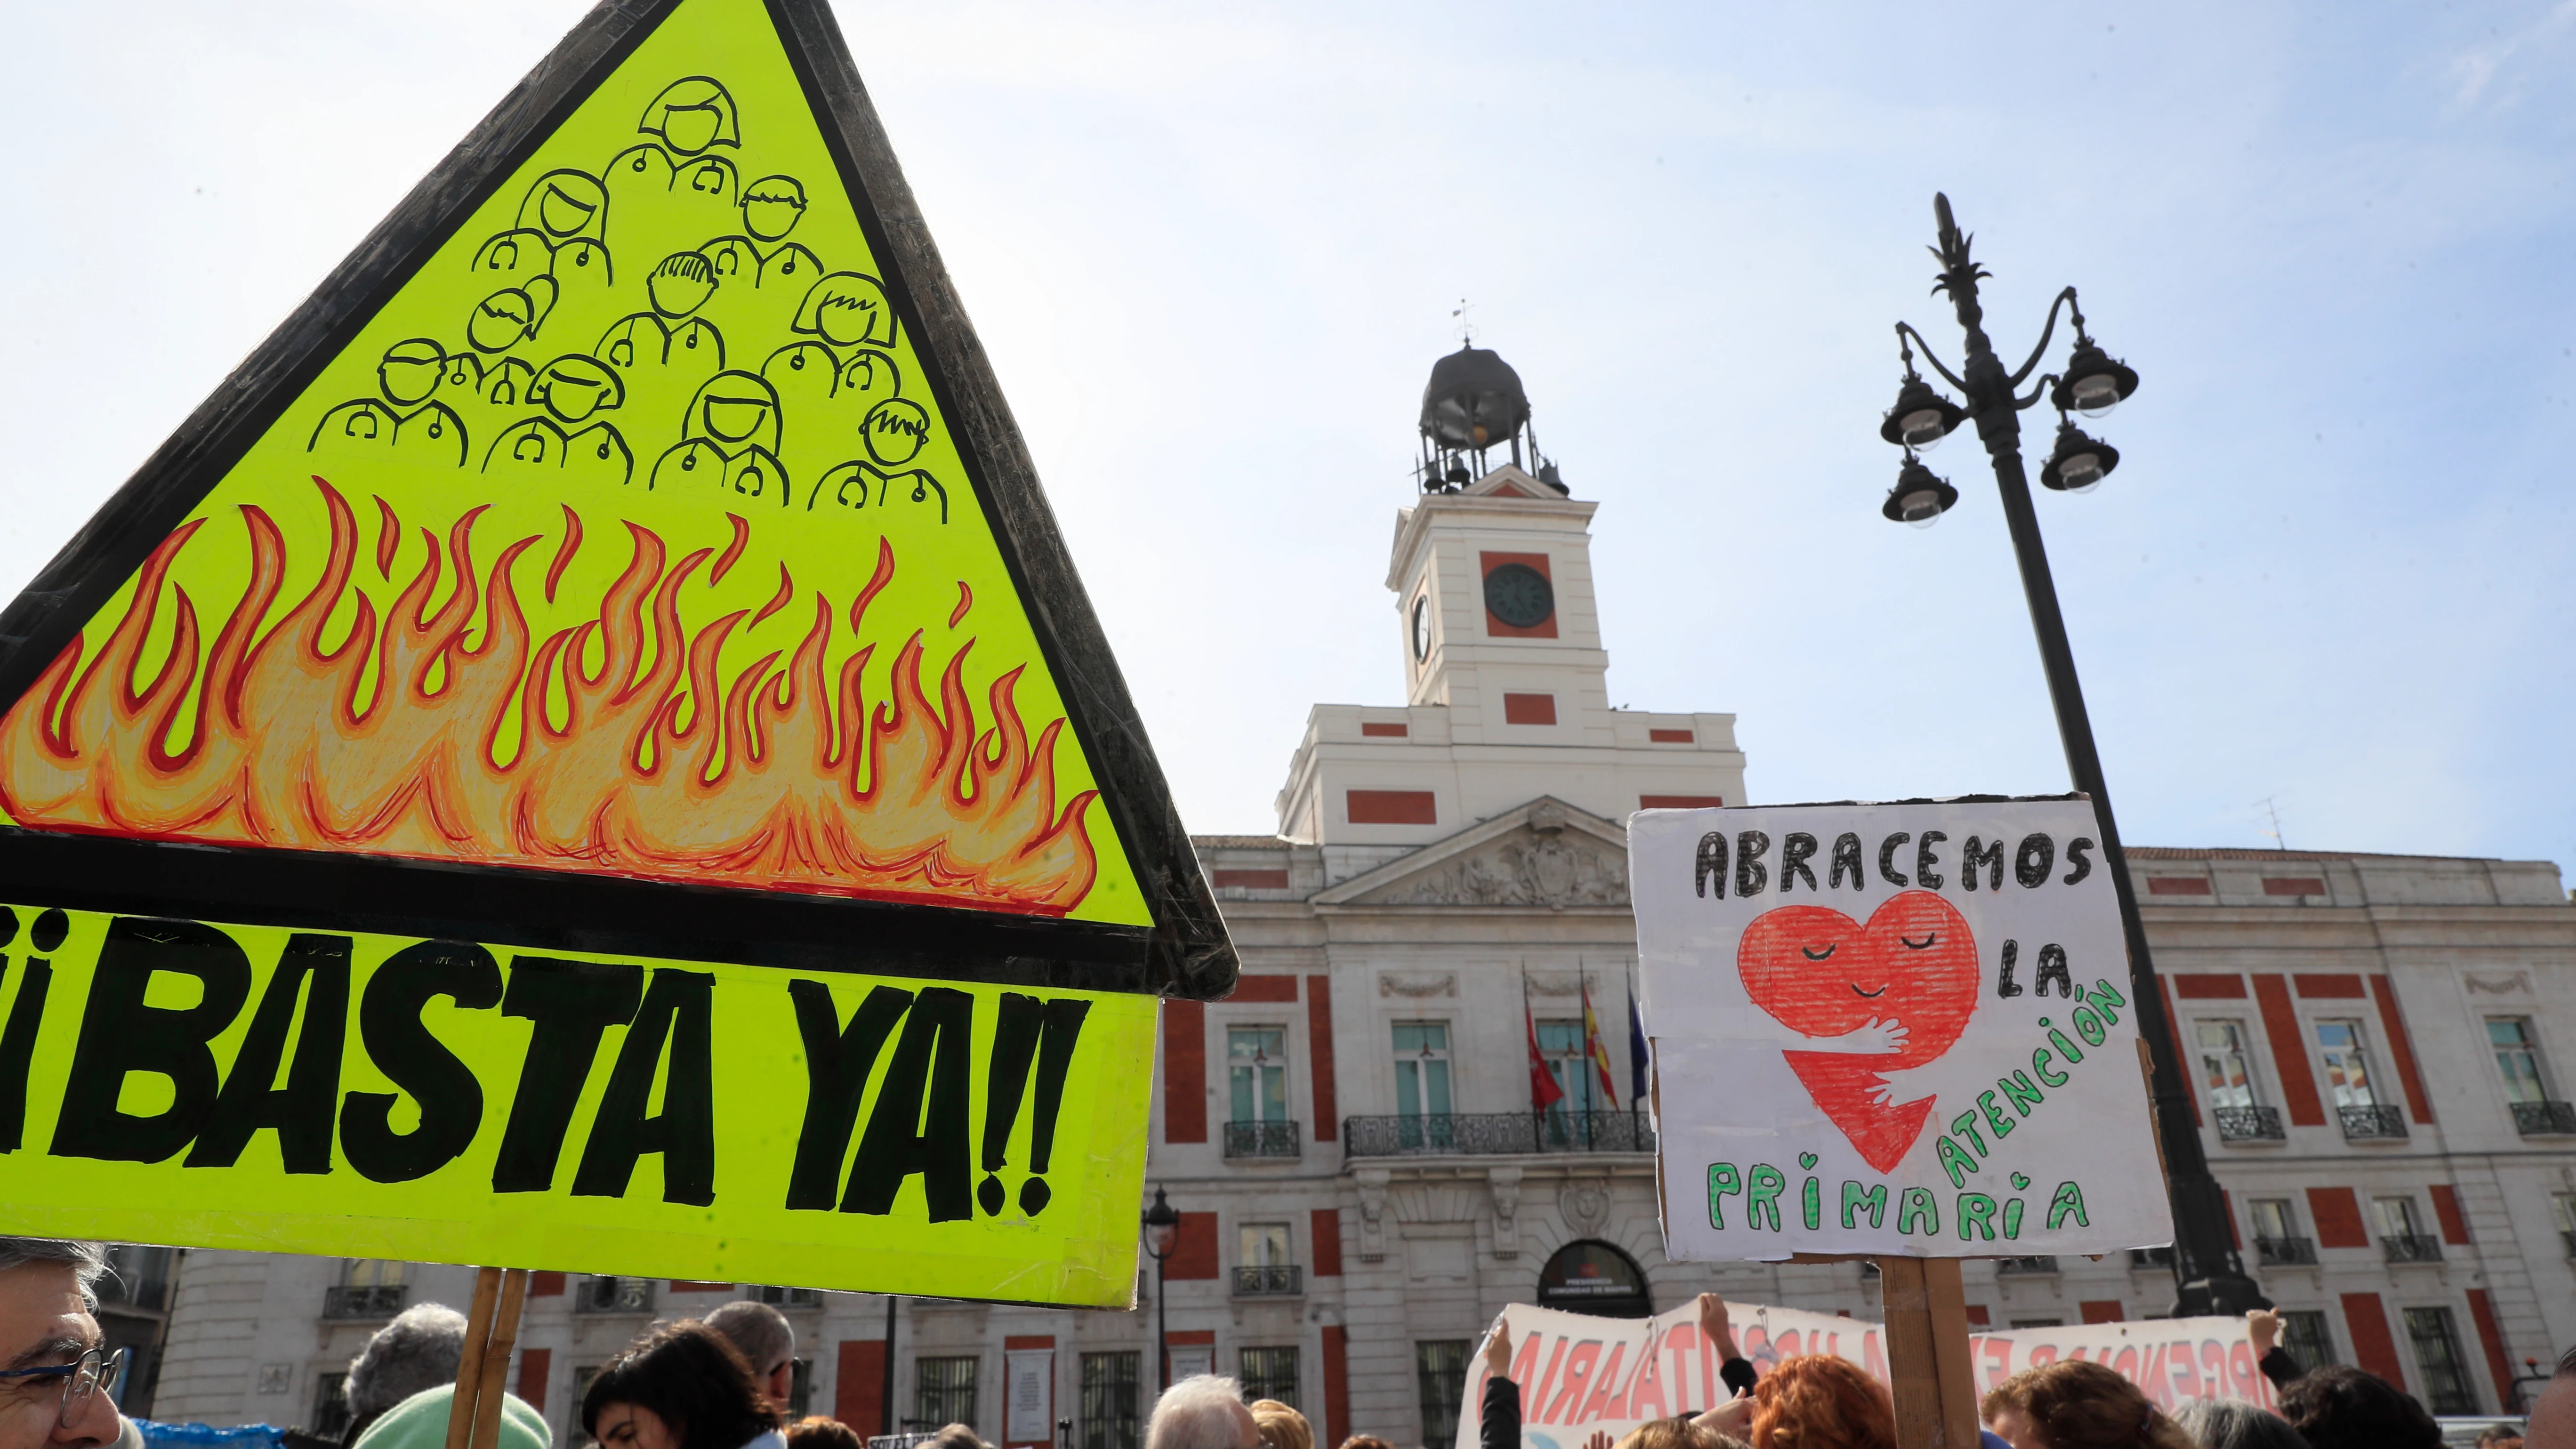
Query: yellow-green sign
x=375 y=1096
x=611 y=645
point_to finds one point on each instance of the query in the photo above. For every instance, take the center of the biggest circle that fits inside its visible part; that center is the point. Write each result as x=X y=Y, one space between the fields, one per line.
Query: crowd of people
x=723 y=1383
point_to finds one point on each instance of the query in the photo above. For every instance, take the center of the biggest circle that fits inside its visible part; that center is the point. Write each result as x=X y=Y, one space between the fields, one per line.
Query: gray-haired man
x=57 y=1381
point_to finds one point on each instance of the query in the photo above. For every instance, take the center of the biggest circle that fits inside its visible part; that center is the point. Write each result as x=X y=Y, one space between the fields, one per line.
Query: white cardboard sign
x=1892 y=1029
x=1579 y=1374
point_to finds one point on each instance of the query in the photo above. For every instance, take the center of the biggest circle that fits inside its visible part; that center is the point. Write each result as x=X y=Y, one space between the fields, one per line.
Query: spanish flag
x=1593 y=1047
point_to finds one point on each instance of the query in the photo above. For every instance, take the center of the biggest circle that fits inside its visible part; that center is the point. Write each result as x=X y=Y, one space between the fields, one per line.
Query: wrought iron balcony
x=2026 y=1265
x=1275 y=1281
x=2411 y=1248
x=379 y=1301
x=2367 y=1123
x=2151 y=1258
x=2249 y=1124
x=2545 y=1119
x=1261 y=1139
x=2285 y=1252
x=615 y=1295
x=1496 y=1134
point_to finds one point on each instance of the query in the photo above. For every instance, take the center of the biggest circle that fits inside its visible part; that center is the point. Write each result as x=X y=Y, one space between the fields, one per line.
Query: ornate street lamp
x=1162 y=1232
x=2209 y=1275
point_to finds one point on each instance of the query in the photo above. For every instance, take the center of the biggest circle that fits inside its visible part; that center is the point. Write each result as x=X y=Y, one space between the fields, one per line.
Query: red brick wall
x=545 y=1285
x=1194 y=1253
x=1392 y=807
x=2102 y=1310
x=2401 y=1050
x=2289 y=1052
x=858 y=1386
x=534 y=1366
x=1328 y=1244
x=2446 y=1211
x=2490 y=1337
x=2337 y=1214
x=1319 y=1050
x=1269 y=986
x=1184 y=1071
x=2371 y=1341
x=1337 y=1384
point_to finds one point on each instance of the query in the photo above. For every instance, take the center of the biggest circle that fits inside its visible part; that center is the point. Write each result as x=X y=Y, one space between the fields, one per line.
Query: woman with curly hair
x=1818 y=1401
x=2072 y=1404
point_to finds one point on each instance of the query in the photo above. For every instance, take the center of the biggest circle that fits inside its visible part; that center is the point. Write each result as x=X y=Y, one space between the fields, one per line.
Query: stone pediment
x=1545 y=854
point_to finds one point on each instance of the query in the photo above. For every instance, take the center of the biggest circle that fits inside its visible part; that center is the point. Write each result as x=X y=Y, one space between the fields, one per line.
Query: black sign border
x=1186 y=953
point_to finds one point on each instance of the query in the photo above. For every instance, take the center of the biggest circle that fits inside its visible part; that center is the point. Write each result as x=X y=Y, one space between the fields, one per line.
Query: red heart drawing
x=1822 y=974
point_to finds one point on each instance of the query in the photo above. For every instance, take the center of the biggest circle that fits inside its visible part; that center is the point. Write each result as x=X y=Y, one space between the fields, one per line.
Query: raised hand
x=2263 y=1326
x=1498 y=1351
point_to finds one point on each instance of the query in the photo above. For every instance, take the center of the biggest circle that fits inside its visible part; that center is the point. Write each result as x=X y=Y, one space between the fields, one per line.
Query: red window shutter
x=2401 y=1051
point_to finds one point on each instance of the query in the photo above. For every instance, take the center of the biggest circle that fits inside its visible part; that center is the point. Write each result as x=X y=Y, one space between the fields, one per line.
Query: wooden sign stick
x=496 y=1359
x=469 y=1360
x=1927 y=1353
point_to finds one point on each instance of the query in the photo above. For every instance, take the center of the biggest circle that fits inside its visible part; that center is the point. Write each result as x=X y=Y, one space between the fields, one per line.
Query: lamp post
x=2209 y=1274
x=1162 y=1230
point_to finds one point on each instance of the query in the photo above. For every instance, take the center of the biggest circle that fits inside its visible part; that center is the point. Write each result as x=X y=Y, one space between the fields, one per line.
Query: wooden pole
x=1927 y=1353
x=496 y=1359
x=469 y=1361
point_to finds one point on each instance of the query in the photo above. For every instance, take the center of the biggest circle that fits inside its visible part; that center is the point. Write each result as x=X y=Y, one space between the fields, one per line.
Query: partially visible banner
x=225 y=1086
x=1579 y=1373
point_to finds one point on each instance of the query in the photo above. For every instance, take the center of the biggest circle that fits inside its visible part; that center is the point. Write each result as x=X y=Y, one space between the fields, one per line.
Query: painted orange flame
x=654 y=767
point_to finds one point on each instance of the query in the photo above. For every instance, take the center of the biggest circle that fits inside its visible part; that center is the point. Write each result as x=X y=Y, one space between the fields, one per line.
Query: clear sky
x=1215 y=250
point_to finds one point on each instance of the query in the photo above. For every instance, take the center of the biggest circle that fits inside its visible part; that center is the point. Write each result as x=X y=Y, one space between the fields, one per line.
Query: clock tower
x=1506 y=679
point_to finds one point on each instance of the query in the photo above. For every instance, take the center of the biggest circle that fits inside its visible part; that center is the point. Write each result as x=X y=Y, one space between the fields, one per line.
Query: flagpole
x=1583 y=987
x=1529 y=1025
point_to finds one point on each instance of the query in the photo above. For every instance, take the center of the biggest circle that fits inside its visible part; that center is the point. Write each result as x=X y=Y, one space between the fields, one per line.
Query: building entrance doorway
x=1593 y=1277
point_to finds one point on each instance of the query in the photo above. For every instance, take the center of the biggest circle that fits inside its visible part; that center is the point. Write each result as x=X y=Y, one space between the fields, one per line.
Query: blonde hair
x=1281 y=1426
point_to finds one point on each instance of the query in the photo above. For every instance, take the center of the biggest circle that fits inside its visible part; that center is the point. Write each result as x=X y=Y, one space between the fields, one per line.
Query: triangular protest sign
x=626 y=550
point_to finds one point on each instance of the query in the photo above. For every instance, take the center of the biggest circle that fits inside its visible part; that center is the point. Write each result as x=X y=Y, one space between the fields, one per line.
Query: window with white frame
x=2224 y=1066
x=2273 y=1219
x=1264 y=1245
x=2517 y=1058
x=1421 y=1068
x=2347 y=1063
x=2397 y=1217
x=1256 y=1060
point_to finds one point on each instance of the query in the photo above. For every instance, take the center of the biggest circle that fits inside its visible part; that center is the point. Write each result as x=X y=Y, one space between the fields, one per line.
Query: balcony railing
x=2151 y=1258
x=2545 y=1119
x=2367 y=1123
x=375 y=1301
x=2411 y=1248
x=2249 y=1124
x=1496 y=1133
x=2285 y=1252
x=2026 y=1265
x=1274 y=1281
x=615 y=1295
x=1261 y=1139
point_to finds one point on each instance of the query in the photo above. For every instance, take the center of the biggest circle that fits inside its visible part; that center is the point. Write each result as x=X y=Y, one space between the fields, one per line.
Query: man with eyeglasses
x=57 y=1379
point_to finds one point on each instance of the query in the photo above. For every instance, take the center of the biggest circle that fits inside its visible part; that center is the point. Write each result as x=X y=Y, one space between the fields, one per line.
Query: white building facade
x=2381 y=1051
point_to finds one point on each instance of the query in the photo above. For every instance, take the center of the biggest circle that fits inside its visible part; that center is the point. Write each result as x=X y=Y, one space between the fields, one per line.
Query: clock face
x=1519 y=596
x=1422 y=627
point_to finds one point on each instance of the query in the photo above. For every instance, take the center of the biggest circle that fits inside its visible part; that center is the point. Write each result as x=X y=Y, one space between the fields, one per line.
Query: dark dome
x=1474 y=400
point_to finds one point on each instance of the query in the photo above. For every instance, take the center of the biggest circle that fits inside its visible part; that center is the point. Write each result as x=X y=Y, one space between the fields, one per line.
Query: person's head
x=680 y=1386
x=766 y=1341
x=1673 y=1434
x=417 y=1351
x=954 y=1436
x=2553 y=1414
x=1365 y=1441
x=420 y=1422
x=47 y=1289
x=1203 y=1411
x=2235 y=1424
x=1280 y=1426
x=2341 y=1407
x=816 y=1432
x=2075 y=1404
x=1818 y=1401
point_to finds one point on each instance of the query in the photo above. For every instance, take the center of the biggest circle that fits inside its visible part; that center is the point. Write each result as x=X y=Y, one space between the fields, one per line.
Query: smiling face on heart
x=1822 y=974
